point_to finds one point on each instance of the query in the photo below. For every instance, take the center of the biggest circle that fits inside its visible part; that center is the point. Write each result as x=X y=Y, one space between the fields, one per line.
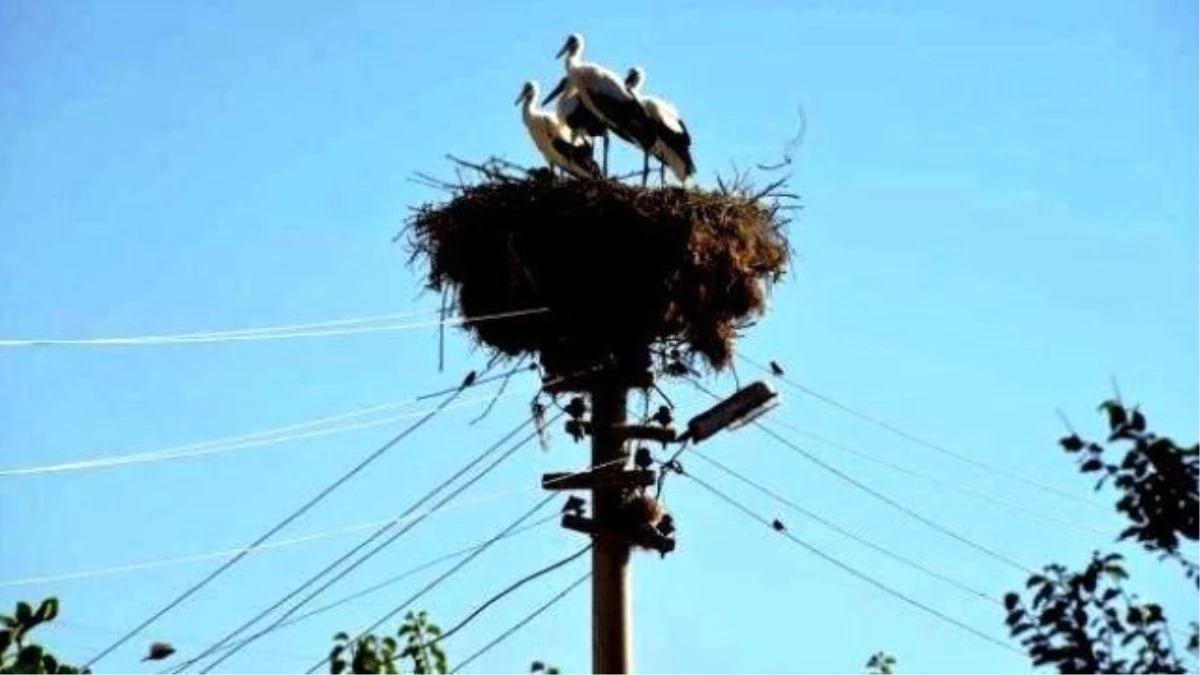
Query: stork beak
x=563 y=50
x=520 y=97
x=558 y=89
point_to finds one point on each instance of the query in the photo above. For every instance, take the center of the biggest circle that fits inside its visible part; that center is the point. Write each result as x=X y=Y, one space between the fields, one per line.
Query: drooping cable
x=362 y=545
x=510 y=589
x=522 y=623
x=444 y=576
x=851 y=480
x=776 y=527
x=893 y=429
x=843 y=531
x=325 y=492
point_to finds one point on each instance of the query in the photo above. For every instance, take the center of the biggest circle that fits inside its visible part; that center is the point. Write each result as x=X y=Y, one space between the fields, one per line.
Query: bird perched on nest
x=554 y=139
x=605 y=95
x=672 y=142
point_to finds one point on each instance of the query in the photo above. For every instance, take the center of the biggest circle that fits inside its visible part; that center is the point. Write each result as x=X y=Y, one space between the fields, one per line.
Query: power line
x=895 y=504
x=271 y=436
x=72 y=625
x=227 y=553
x=828 y=400
x=148 y=341
x=514 y=586
x=373 y=588
x=287 y=328
x=849 y=569
x=449 y=556
x=409 y=572
x=445 y=575
x=362 y=545
x=877 y=494
x=523 y=622
x=284 y=619
x=937 y=481
x=271 y=532
x=843 y=531
x=212 y=450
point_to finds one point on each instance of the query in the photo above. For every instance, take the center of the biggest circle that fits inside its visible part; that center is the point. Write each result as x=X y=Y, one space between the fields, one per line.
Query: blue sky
x=1000 y=208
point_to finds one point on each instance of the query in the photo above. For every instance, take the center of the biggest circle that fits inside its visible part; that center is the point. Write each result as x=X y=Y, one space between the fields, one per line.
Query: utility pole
x=614 y=532
x=611 y=638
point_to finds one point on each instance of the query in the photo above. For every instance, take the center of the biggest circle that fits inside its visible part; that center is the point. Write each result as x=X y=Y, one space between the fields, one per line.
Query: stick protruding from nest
x=619 y=268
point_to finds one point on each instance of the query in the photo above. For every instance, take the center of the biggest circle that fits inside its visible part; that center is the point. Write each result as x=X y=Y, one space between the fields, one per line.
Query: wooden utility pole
x=613 y=526
x=611 y=635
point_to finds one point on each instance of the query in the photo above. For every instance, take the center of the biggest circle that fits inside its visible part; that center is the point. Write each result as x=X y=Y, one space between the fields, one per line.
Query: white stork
x=605 y=95
x=582 y=122
x=672 y=144
x=554 y=139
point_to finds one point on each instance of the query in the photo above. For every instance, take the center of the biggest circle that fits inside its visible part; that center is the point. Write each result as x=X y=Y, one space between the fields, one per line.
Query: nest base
x=620 y=270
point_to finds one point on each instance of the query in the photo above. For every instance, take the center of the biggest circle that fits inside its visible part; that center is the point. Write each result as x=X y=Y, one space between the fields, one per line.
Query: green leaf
x=30 y=659
x=341 y=636
x=1011 y=600
x=49 y=664
x=48 y=610
x=25 y=615
x=1071 y=443
x=337 y=666
x=1091 y=465
x=1116 y=414
x=6 y=640
x=1116 y=571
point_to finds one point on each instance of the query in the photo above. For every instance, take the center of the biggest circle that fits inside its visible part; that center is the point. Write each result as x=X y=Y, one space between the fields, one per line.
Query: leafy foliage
x=1156 y=479
x=17 y=654
x=1086 y=623
x=881 y=663
x=372 y=654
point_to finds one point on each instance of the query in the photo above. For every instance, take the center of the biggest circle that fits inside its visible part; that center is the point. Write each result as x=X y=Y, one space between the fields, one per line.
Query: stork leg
x=662 y=174
x=605 y=136
x=645 y=168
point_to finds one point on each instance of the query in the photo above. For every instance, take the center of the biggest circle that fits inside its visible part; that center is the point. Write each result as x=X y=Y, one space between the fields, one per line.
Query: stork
x=672 y=144
x=553 y=139
x=582 y=122
x=605 y=95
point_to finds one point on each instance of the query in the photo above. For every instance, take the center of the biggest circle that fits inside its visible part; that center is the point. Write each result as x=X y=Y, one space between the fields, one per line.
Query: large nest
x=619 y=269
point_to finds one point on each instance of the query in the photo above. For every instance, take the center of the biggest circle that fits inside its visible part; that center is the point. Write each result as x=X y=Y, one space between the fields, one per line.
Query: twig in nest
x=770 y=190
x=789 y=148
x=442 y=332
